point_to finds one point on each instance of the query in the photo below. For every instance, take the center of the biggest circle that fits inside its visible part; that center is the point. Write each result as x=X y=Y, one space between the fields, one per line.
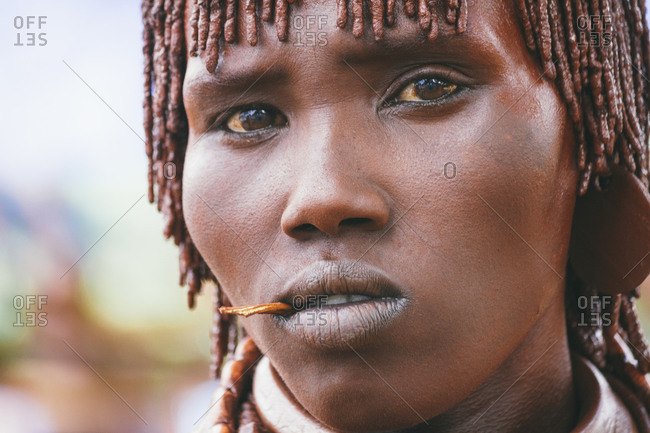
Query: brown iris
x=426 y=89
x=254 y=119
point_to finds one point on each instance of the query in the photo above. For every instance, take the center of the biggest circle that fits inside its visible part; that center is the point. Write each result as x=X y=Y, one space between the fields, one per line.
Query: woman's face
x=435 y=181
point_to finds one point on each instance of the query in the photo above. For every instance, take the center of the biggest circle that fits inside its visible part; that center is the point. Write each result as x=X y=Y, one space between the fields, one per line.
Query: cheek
x=224 y=212
x=525 y=176
x=499 y=231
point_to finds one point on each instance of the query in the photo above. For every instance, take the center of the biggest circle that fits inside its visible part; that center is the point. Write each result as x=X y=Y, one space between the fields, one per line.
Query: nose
x=330 y=197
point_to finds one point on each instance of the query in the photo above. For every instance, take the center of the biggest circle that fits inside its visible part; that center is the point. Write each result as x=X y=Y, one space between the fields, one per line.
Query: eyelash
x=444 y=78
x=221 y=123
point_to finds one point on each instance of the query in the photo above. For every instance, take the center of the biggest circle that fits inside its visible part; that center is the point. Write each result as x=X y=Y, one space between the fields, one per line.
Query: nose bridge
x=333 y=187
x=328 y=150
x=329 y=155
x=327 y=178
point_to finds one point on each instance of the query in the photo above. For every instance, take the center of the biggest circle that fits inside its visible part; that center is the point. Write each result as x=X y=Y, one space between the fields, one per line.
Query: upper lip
x=338 y=278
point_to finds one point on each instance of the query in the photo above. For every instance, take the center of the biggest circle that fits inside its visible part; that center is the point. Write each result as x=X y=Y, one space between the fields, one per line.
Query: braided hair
x=603 y=83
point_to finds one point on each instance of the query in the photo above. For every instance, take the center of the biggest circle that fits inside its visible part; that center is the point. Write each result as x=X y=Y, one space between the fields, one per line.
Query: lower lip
x=342 y=326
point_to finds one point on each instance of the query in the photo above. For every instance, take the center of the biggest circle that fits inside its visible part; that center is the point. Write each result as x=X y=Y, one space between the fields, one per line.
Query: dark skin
x=481 y=256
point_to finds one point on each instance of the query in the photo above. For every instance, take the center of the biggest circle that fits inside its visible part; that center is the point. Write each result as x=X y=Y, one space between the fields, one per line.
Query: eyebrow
x=415 y=42
x=231 y=80
x=237 y=79
x=446 y=47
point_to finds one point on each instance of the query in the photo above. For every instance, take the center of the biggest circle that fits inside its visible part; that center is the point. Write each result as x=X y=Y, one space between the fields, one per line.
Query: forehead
x=319 y=16
x=315 y=45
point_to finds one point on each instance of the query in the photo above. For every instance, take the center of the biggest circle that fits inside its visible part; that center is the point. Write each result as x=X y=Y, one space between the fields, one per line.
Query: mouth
x=340 y=304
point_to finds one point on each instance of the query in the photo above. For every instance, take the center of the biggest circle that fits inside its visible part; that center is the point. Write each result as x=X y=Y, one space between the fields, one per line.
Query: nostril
x=306 y=228
x=356 y=222
x=326 y=214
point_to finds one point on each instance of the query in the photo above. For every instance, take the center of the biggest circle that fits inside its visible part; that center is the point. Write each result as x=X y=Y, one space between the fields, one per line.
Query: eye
x=254 y=119
x=425 y=89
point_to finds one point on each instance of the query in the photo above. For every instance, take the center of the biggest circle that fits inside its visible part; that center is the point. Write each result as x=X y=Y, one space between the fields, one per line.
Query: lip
x=377 y=301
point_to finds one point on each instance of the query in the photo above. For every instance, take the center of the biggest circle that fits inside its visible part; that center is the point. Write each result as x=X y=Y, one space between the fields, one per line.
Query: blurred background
x=95 y=335
x=116 y=349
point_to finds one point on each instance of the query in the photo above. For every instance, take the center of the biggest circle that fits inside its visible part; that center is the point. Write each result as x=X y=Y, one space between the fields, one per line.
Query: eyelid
x=444 y=74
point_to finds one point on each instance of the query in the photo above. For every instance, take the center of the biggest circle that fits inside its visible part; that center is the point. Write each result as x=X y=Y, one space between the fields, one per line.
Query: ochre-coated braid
x=235 y=389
